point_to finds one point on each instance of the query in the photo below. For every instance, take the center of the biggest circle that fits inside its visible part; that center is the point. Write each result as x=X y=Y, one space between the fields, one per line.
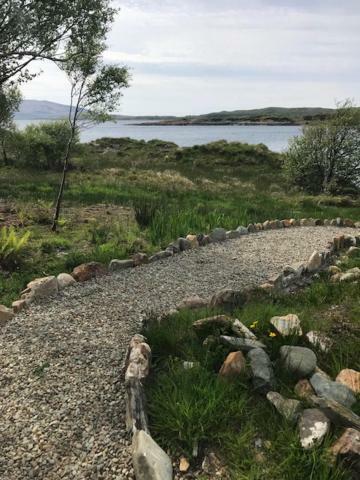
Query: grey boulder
x=300 y=361
x=244 y=344
x=263 y=377
x=218 y=235
x=332 y=390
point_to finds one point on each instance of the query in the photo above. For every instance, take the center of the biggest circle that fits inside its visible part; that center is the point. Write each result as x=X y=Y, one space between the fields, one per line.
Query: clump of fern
x=13 y=246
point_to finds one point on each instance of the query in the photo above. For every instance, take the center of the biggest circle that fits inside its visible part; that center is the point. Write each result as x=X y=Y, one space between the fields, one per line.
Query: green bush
x=12 y=247
x=43 y=146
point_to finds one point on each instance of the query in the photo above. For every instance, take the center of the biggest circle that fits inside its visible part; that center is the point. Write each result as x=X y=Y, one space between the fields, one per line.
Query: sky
x=200 y=56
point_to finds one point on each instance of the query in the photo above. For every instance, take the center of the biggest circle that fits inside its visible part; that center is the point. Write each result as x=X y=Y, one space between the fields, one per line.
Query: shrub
x=12 y=247
x=43 y=146
x=326 y=158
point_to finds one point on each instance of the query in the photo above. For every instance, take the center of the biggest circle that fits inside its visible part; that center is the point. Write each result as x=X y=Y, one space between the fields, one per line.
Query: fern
x=12 y=246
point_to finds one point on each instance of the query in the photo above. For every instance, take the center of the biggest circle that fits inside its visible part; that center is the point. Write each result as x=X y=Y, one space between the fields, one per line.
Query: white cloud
x=192 y=57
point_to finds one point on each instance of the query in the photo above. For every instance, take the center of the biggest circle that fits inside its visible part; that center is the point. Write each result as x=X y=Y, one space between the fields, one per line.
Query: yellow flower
x=272 y=334
x=253 y=325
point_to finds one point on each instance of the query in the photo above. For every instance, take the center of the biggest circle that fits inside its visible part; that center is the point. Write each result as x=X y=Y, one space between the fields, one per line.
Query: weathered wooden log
x=137 y=367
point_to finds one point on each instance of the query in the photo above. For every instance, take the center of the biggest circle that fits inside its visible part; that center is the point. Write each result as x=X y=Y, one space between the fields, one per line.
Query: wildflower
x=272 y=334
x=253 y=325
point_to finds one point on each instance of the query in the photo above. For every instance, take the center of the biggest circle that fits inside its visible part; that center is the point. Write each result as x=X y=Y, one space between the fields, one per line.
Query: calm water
x=275 y=137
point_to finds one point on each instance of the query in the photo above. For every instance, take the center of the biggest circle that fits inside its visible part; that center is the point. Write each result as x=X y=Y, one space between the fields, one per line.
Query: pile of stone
x=331 y=400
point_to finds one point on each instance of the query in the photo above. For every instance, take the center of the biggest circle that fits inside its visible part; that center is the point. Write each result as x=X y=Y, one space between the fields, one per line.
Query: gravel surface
x=62 y=398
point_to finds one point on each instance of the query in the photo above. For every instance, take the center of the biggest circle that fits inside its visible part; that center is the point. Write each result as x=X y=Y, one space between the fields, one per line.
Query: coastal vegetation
x=123 y=196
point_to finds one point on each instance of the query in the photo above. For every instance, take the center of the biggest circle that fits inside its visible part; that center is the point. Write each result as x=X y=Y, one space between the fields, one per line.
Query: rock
x=118 y=265
x=266 y=225
x=229 y=298
x=184 y=244
x=350 y=378
x=65 y=280
x=218 y=235
x=332 y=390
x=251 y=228
x=339 y=222
x=212 y=325
x=140 y=259
x=303 y=389
x=313 y=426
x=150 y=462
x=349 y=223
x=41 y=288
x=190 y=365
x=193 y=241
x=244 y=344
x=319 y=340
x=314 y=262
x=347 y=449
x=242 y=230
x=6 y=314
x=287 y=407
x=287 y=325
x=322 y=373
x=233 y=366
x=298 y=360
x=184 y=465
x=286 y=223
x=294 y=222
x=333 y=269
x=193 y=302
x=239 y=329
x=267 y=287
x=263 y=377
x=353 y=252
x=351 y=275
x=87 y=271
x=204 y=240
x=336 y=412
x=160 y=255
x=19 y=305
x=231 y=234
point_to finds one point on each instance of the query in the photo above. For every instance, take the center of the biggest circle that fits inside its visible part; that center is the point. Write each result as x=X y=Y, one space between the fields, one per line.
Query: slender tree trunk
x=5 y=157
x=62 y=184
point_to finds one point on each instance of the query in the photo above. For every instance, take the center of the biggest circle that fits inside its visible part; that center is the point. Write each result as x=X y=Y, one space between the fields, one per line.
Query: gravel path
x=62 y=400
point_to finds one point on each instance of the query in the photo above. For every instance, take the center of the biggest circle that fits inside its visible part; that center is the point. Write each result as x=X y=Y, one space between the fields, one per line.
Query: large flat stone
x=337 y=413
x=244 y=344
x=149 y=460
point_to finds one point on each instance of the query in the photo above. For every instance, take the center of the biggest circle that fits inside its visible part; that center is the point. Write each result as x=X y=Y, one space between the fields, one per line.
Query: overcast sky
x=198 y=56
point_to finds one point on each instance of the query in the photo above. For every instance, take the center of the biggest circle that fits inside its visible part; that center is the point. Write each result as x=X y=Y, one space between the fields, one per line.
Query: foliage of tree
x=96 y=90
x=326 y=158
x=10 y=99
x=44 y=29
x=42 y=146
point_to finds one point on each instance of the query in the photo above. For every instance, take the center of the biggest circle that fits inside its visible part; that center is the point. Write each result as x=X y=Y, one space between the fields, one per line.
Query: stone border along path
x=62 y=404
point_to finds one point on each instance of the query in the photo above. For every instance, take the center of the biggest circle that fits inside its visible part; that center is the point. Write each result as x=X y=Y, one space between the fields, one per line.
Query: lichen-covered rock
x=229 y=298
x=241 y=330
x=234 y=365
x=218 y=235
x=313 y=426
x=65 y=280
x=149 y=460
x=287 y=324
x=242 y=230
x=87 y=271
x=332 y=390
x=287 y=407
x=300 y=361
x=319 y=340
x=140 y=259
x=118 y=265
x=210 y=325
x=314 y=262
x=350 y=378
x=41 y=288
x=244 y=344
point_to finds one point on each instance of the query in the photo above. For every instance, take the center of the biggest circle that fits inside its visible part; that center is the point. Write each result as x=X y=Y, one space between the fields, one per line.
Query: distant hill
x=44 y=110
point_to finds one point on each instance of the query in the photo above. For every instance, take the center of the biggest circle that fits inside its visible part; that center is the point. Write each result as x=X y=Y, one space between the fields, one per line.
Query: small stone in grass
x=313 y=426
